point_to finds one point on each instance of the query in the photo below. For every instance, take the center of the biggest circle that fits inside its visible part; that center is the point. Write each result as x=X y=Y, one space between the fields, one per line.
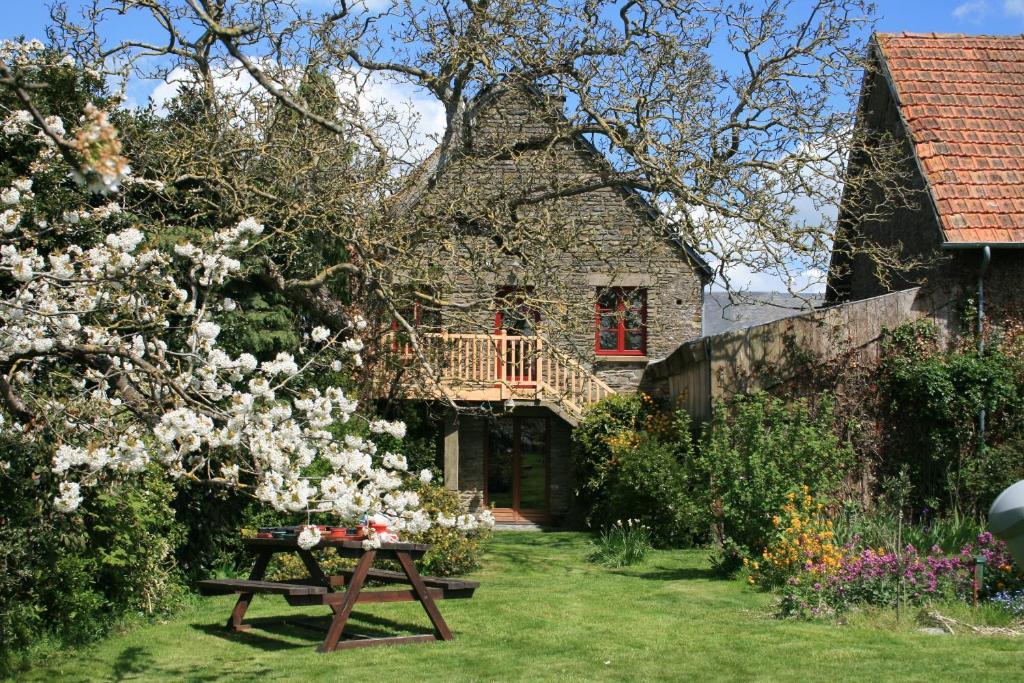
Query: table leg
x=237 y=614
x=440 y=627
x=315 y=572
x=342 y=614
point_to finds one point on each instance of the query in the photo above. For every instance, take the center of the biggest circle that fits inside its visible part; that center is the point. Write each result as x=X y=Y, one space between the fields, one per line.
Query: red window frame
x=621 y=298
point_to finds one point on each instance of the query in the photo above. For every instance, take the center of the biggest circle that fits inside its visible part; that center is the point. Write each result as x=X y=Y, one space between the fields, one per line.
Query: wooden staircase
x=502 y=367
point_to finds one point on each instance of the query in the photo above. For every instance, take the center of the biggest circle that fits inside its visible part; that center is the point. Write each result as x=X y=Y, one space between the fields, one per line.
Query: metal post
x=979 y=577
x=986 y=258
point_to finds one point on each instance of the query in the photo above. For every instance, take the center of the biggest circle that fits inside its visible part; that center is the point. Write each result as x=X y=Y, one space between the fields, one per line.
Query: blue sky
x=28 y=17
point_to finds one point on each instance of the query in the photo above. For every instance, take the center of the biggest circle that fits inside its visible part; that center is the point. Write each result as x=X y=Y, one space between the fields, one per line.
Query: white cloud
x=794 y=279
x=1014 y=8
x=417 y=117
x=235 y=81
x=972 y=11
x=418 y=113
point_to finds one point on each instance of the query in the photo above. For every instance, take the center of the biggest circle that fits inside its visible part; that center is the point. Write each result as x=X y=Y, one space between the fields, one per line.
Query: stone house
x=955 y=104
x=626 y=292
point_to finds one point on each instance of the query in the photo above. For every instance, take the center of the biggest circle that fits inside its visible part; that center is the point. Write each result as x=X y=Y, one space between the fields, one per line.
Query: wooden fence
x=705 y=370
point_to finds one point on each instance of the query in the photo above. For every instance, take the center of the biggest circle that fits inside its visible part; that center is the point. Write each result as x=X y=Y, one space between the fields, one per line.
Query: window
x=621 y=321
x=423 y=319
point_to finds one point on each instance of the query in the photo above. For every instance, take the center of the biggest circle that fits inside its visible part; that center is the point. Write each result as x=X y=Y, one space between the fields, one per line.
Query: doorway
x=518 y=468
x=519 y=320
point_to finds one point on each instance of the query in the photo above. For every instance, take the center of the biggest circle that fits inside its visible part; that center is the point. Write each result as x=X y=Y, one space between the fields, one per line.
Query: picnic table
x=320 y=589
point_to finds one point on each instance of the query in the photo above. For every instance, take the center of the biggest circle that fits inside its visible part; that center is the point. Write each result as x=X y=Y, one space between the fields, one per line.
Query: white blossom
x=219 y=416
x=208 y=330
x=250 y=225
x=17 y=122
x=56 y=125
x=395 y=429
x=69 y=497
x=309 y=537
x=9 y=221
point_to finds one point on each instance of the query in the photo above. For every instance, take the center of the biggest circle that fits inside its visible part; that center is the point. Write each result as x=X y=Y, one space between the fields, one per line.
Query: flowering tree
x=109 y=344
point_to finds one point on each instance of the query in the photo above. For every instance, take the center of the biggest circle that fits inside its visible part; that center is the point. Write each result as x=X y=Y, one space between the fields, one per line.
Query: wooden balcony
x=501 y=367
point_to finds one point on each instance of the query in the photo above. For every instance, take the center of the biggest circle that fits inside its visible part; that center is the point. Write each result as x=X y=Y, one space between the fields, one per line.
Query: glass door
x=501 y=465
x=532 y=501
x=517 y=469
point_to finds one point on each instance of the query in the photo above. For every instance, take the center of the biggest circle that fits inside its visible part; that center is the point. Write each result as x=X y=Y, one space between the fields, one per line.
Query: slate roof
x=962 y=100
x=752 y=308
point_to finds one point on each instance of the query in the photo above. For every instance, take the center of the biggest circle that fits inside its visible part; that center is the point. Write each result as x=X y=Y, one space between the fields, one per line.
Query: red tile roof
x=963 y=100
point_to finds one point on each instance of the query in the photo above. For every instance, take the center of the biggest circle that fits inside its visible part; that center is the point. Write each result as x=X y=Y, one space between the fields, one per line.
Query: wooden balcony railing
x=500 y=366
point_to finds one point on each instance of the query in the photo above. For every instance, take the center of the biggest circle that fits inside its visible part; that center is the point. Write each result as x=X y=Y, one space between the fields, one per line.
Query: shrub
x=933 y=399
x=70 y=577
x=873 y=558
x=631 y=463
x=876 y=528
x=452 y=551
x=621 y=545
x=755 y=450
x=213 y=517
x=592 y=446
x=1011 y=601
x=803 y=541
x=885 y=576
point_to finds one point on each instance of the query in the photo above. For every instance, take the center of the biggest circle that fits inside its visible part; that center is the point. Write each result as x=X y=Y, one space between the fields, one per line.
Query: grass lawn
x=544 y=613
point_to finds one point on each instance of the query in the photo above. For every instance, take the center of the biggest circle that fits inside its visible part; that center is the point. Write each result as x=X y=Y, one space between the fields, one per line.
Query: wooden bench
x=320 y=589
x=450 y=589
x=224 y=586
x=311 y=592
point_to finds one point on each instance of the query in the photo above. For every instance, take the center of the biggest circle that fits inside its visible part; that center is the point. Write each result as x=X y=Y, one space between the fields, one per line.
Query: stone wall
x=599 y=238
x=472 y=452
x=562 y=249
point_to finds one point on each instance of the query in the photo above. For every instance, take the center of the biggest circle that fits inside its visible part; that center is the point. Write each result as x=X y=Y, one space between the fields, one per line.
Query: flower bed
x=818 y=577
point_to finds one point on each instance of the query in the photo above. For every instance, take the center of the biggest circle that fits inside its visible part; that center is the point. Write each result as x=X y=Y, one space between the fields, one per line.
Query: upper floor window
x=621 y=321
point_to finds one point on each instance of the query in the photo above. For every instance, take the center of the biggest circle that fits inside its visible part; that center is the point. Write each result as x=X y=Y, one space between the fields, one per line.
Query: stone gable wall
x=615 y=241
